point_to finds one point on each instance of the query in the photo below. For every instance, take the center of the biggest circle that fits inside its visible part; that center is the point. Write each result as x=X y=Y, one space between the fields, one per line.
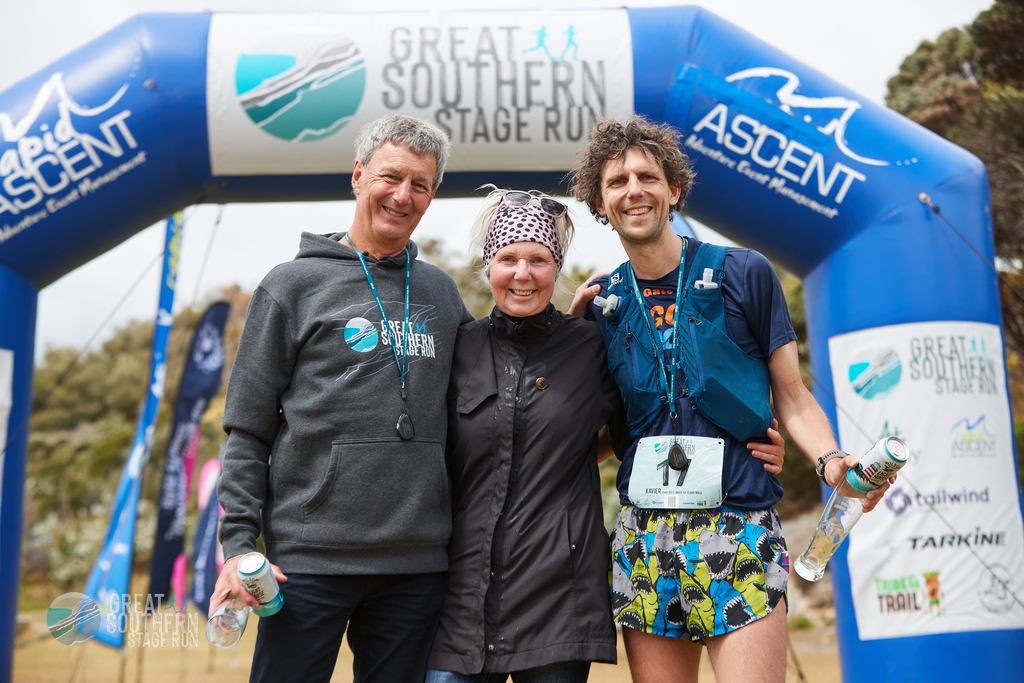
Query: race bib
x=677 y=472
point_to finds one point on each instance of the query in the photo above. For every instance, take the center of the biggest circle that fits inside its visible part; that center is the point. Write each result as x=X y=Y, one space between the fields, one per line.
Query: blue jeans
x=559 y=672
x=391 y=620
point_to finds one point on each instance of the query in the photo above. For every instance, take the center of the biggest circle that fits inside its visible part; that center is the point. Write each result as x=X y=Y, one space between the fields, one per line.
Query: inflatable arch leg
x=168 y=110
x=17 y=343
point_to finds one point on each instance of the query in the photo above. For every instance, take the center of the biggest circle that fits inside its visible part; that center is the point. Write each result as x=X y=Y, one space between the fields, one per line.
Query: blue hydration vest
x=727 y=386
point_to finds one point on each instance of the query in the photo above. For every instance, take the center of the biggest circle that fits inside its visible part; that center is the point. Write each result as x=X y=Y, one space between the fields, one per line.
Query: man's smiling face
x=392 y=193
x=635 y=197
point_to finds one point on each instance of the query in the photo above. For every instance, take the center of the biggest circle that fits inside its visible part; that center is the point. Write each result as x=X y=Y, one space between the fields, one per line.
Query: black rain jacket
x=529 y=557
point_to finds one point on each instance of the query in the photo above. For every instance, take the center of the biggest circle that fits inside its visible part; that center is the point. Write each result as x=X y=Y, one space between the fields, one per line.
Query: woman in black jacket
x=527 y=592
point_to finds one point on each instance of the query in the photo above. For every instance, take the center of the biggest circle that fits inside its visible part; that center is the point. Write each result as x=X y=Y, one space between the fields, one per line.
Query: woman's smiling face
x=522 y=277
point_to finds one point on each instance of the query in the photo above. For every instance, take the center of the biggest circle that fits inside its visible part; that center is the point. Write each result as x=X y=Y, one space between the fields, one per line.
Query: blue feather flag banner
x=111 y=573
x=199 y=382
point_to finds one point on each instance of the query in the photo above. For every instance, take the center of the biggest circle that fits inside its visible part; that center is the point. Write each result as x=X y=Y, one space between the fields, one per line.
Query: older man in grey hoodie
x=336 y=420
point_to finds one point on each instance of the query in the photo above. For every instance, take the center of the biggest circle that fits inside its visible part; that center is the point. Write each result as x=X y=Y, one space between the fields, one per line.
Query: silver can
x=885 y=459
x=255 y=574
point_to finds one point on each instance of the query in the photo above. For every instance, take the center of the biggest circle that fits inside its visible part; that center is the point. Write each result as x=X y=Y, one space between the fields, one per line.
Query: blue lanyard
x=667 y=380
x=384 y=316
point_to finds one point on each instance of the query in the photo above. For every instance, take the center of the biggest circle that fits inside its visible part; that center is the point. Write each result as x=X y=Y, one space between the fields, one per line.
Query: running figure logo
x=570 y=44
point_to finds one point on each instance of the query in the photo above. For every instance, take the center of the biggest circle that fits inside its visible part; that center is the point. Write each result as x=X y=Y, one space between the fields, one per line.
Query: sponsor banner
x=768 y=126
x=6 y=402
x=110 y=575
x=61 y=151
x=200 y=380
x=515 y=91
x=935 y=556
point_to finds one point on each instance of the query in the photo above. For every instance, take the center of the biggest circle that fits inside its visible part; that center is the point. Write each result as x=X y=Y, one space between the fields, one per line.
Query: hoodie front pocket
x=377 y=492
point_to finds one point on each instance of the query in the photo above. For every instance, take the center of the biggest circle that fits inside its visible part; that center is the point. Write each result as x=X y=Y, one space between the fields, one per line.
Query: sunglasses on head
x=553 y=208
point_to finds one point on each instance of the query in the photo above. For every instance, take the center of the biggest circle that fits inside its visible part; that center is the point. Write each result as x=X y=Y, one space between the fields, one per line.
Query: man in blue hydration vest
x=698 y=339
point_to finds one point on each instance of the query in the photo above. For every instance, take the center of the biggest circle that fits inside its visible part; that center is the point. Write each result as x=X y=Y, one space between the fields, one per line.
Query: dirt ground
x=48 y=661
x=39 y=658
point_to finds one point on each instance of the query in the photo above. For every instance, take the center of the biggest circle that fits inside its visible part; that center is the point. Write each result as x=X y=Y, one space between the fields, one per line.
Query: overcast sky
x=859 y=43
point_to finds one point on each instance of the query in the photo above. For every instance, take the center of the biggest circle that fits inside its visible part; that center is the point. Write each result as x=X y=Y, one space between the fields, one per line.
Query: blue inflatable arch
x=168 y=110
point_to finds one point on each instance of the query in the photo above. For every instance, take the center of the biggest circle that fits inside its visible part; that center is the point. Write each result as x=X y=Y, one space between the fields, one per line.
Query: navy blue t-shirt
x=755 y=309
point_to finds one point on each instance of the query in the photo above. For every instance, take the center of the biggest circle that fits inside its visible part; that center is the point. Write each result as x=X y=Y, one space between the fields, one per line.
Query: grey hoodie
x=339 y=491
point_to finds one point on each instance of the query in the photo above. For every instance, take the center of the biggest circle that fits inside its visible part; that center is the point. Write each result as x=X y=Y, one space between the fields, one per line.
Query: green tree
x=968 y=86
x=83 y=421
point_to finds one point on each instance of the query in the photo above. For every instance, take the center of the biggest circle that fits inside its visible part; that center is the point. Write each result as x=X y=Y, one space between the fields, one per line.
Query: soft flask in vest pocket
x=730 y=389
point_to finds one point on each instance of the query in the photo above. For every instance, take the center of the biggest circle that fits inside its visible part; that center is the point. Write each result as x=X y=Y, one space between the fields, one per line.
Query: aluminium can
x=883 y=460
x=255 y=574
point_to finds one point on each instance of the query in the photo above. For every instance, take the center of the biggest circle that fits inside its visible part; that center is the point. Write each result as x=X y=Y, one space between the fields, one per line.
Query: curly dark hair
x=611 y=139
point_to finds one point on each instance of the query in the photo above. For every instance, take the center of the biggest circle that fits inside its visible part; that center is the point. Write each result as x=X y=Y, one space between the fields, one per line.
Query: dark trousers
x=559 y=672
x=391 y=620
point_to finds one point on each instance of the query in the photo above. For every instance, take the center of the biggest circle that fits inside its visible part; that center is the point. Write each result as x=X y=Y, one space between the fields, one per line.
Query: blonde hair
x=564 y=229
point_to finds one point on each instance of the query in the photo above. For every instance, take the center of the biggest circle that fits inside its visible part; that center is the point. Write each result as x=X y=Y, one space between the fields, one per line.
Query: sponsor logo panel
x=972 y=439
x=875 y=373
x=62 y=150
x=301 y=95
x=513 y=91
x=955 y=501
x=784 y=146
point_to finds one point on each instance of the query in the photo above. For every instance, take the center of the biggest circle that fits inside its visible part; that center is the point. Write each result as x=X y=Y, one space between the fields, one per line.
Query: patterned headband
x=522 y=224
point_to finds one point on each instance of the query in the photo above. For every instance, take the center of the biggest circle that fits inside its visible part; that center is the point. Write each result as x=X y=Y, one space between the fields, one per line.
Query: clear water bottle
x=840 y=514
x=226 y=626
x=883 y=460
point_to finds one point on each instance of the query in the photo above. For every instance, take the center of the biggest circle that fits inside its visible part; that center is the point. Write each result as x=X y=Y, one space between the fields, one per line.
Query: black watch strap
x=819 y=469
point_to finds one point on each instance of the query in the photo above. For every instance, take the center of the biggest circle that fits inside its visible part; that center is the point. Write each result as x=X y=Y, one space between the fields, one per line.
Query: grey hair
x=422 y=137
x=564 y=229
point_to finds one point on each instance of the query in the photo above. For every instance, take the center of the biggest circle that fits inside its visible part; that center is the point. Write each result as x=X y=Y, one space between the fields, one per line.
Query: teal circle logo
x=73 y=618
x=875 y=373
x=361 y=335
x=302 y=97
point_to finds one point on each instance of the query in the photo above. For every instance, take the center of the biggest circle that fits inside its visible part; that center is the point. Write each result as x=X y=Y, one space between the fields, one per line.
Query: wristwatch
x=819 y=469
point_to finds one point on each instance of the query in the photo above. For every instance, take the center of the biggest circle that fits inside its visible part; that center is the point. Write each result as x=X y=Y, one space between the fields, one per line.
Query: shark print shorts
x=696 y=573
